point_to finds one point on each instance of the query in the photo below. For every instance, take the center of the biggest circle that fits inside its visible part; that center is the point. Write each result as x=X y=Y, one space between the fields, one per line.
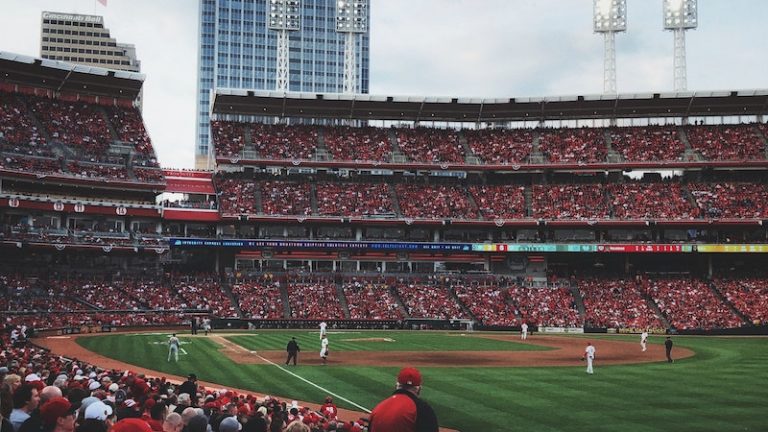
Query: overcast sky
x=489 y=48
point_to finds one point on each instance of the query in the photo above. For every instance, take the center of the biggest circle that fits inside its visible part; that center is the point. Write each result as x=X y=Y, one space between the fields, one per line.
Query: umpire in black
x=293 y=351
x=668 y=349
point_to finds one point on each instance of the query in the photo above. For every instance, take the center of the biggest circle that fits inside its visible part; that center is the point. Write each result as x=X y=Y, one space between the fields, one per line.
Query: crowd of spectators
x=429 y=301
x=236 y=196
x=430 y=145
x=616 y=303
x=501 y=146
x=435 y=202
x=545 y=306
x=726 y=142
x=648 y=143
x=18 y=134
x=284 y=142
x=259 y=299
x=354 y=199
x=574 y=145
x=690 y=303
x=314 y=300
x=76 y=124
x=749 y=295
x=30 y=164
x=731 y=200
x=570 y=201
x=651 y=201
x=204 y=294
x=129 y=126
x=358 y=144
x=149 y=175
x=500 y=202
x=488 y=303
x=286 y=198
x=228 y=138
x=371 y=300
x=90 y=170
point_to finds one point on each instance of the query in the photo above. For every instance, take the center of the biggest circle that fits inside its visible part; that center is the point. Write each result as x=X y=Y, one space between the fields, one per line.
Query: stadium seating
x=88 y=170
x=545 y=306
x=285 y=198
x=236 y=196
x=259 y=299
x=488 y=303
x=690 y=304
x=30 y=164
x=353 y=199
x=616 y=303
x=358 y=144
x=749 y=295
x=726 y=142
x=649 y=143
x=284 y=142
x=500 y=202
x=731 y=200
x=651 y=201
x=569 y=201
x=18 y=134
x=574 y=145
x=129 y=126
x=315 y=300
x=500 y=146
x=430 y=145
x=435 y=202
x=228 y=138
x=371 y=300
x=429 y=301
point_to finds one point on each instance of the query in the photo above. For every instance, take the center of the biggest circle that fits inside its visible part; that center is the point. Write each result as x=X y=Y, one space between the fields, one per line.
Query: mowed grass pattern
x=722 y=388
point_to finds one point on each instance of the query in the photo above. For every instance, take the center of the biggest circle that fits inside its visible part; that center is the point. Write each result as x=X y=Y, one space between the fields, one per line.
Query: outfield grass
x=722 y=388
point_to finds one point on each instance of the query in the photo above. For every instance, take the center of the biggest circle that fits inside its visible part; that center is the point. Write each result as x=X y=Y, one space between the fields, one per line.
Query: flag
x=103 y=2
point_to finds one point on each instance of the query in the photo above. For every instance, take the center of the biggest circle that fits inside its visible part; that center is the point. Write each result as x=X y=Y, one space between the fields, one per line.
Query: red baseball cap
x=55 y=408
x=131 y=425
x=409 y=376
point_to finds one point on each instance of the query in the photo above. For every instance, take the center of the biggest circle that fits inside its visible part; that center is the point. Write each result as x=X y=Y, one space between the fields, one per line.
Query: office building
x=236 y=49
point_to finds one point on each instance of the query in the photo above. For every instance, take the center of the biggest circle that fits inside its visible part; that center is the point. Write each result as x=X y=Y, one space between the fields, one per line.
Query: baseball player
x=589 y=355
x=524 y=331
x=323 y=327
x=173 y=348
x=324 y=349
x=644 y=339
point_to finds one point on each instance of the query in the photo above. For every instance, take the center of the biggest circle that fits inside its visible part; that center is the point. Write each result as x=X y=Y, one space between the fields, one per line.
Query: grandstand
x=375 y=217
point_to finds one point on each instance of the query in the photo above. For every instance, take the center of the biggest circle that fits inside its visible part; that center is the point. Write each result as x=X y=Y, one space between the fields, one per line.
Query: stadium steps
x=536 y=155
x=654 y=307
x=469 y=156
x=464 y=308
x=613 y=156
x=313 y=197
x=110 y=126
x=226 y=286
x=726 y=302
x=395 y=201
x=83 y=302
x=763 y=139
x=342 y=300
x=399 y=300
x=397 y=154
x=321 y=151
x=249 y=149
x=528 y=194
x=690 y=153
x=689 y=197
x=579 y=301
x=57 y=147
x=258 y=199
x=287 y=313
x=473 y=203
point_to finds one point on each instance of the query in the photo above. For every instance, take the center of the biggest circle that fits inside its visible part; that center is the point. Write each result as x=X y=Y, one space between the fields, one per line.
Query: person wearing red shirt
x=329 y=409
x=404 y=411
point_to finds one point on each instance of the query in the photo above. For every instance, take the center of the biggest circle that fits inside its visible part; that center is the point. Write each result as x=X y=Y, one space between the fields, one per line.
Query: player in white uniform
x=644 y=339
x=524 y=331
x=589 y=355
x=173 y=348
x=323 y=327
x=324 y=349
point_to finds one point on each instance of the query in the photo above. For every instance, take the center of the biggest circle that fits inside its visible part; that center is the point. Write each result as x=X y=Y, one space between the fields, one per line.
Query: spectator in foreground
x=404 y=411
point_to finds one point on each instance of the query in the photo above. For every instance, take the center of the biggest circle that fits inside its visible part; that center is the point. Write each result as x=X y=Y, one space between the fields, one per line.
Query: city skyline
x=438 y=48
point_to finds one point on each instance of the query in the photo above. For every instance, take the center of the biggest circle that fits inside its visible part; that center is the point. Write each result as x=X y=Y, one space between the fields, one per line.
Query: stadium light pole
x=351 y=20
x=679 y=16
x=610 y=17
x=284 y=16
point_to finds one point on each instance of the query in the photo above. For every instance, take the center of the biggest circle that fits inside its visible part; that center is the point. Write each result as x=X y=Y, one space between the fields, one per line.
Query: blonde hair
x=297 y=426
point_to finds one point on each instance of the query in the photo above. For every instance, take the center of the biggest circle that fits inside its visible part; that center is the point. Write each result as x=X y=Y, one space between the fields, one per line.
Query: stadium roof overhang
x=419 y=108
x=69 y=77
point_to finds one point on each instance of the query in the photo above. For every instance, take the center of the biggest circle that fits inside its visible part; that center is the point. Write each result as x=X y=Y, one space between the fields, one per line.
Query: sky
x=482 y=48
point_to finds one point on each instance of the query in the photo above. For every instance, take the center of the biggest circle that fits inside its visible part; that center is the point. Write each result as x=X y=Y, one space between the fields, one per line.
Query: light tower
x=284 y=16
x=351 y=19
x=610 y=17
x=679 y=16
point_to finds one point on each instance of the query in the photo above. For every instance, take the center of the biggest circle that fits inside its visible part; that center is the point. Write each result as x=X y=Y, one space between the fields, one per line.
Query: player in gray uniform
x=173 y=348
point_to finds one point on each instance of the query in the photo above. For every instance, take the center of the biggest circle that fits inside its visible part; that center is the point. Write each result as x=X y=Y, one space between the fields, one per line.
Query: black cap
x=192 y=376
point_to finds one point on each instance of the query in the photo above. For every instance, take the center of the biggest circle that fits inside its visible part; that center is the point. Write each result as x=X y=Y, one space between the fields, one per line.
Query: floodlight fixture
x=351 y=20
x=283 y=16
x=609 y=18
x=679 y=16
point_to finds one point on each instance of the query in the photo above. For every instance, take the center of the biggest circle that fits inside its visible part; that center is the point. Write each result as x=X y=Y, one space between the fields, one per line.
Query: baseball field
x=488 y=382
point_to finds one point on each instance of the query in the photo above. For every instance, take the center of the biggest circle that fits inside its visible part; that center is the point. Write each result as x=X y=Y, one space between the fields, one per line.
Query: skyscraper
x=236 y=49
x=83 y=39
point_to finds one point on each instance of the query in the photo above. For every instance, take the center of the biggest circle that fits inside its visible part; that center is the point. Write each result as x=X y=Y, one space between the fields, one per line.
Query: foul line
x=268 y=361
x=312 y=384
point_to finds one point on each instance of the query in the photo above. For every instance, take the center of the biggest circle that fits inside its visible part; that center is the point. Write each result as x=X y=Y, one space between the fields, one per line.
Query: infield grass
x=724 y=387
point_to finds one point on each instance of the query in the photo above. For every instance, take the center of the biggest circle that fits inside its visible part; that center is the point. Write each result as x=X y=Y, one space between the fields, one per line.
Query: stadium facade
x=237 y=50
x=83 y=39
